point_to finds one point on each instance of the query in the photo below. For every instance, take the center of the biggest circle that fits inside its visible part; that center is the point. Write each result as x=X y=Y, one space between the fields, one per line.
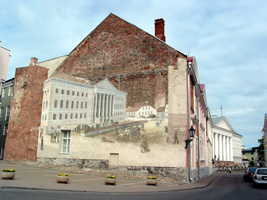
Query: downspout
x=188 y=116
x=198 y=137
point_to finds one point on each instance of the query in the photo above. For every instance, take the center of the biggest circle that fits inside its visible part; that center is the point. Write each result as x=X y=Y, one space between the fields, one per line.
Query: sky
x=228 y=39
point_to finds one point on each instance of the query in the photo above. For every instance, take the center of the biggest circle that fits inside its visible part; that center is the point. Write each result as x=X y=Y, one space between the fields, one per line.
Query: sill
x=63 y=153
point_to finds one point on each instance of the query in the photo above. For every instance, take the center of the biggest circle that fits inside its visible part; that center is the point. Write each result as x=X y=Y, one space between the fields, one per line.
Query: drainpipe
x=198 y=129
x=188 y=111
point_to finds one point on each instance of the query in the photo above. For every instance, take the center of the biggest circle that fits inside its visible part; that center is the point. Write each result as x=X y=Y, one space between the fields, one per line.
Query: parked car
x=248 y=176
x=260 y=177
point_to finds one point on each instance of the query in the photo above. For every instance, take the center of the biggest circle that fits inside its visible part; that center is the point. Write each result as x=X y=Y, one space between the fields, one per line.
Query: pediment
x=106 y=84
x=224 y=124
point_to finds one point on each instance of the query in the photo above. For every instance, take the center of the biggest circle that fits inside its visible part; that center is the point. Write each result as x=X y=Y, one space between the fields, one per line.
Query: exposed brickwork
x=128 y=56
x=25 y=113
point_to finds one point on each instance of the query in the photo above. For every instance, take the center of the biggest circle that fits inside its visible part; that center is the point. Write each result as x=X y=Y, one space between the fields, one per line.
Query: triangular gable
x=114 y=47
x=106 y=84
x=224 y=124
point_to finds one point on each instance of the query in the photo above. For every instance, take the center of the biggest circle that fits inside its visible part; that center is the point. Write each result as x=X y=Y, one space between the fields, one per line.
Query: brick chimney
x=33 y=61
x=159 y=29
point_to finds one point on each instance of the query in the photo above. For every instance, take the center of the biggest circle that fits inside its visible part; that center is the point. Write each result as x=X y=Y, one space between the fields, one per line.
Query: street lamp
x=192 y=132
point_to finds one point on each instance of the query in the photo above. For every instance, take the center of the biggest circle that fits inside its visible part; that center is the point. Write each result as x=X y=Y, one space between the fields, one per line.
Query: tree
x=260 y=150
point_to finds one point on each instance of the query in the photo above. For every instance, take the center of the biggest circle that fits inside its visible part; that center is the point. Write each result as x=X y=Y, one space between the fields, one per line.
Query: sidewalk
x=33 y=177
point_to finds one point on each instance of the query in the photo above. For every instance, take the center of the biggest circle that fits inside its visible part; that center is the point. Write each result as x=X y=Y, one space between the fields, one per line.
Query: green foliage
x=8 y=170
x=260 y=151
x=251 y=164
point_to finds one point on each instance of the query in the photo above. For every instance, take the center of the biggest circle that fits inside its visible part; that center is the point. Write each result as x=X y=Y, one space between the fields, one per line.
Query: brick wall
x=25 y=113
x=128 y=56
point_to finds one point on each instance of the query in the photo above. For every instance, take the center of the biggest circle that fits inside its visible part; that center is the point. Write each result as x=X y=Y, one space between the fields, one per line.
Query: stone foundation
x=177 y=174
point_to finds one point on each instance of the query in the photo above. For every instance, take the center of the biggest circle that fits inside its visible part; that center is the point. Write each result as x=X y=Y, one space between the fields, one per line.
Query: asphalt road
x=226 y=187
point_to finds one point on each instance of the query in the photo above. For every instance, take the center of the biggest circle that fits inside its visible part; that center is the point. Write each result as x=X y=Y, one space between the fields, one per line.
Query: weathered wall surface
x=128 y=56
x=25 y=114
x=177 y=103
x=161 y=153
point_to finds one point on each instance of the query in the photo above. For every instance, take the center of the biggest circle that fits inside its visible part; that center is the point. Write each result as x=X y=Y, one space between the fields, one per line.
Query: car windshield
x=253 y=169
x=262 y=171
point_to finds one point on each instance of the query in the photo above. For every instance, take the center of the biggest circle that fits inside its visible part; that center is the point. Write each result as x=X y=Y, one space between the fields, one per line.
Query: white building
x=227 y=143
x=4 y=59
x=141 y=110
x=70 y=102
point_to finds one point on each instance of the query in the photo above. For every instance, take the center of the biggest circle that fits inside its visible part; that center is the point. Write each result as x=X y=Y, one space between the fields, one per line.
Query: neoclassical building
x=69 y=102
x=227 y=143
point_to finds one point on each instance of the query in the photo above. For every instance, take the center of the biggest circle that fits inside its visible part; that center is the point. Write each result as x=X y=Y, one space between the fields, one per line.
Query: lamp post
x=192 y=132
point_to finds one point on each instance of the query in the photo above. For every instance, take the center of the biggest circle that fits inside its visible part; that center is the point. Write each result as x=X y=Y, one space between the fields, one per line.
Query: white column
x=95 y=107
x=220 y=143
x=213 y=145
x=103 y=105
x=227 y=148
x=216 y=146
x=231 y=149
x=224 y=148
x=112 y=105
x=99 y=105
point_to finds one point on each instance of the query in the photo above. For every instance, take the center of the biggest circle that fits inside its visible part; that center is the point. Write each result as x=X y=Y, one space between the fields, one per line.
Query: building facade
x=141 y=110
x=119 y=57
x=4 y=59
x=227 y=143
x=6 y=93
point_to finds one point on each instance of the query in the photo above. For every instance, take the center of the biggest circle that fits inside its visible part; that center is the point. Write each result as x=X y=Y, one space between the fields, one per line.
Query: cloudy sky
x=228 y=39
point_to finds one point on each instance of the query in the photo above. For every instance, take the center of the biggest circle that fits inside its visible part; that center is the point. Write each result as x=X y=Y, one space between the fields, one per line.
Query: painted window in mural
x=65 y=142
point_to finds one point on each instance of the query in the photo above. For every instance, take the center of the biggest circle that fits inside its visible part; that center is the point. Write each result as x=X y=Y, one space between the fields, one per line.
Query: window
x=43 y=104
x=72 y=104
x=45 y=117
x=54 y=116
x=10 y=90
x=73 y=93
x=86 y=95
x=5 y=129
x=55 y=104
x=7 y=112
x=76 y=116
x=71 y=115
x=67 y=104
x=81 y=104
x=1 y=113
x=77 y=104
x=56 y=90
x=77 y=93
x=60 y=116
x=65 y=142
x=66 y=116
x=85 y=104
x=82 y=94
x=68 y=92
x=192 y=95
x=81 y=115
x=84 y=115
x=61 y=104
x=46 y=104
x=62 y=91
x=3 y=92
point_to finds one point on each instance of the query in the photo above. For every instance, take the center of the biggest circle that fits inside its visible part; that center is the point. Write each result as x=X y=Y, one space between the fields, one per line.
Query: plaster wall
x=177 y=97
x=52 y=64
x=129 y=153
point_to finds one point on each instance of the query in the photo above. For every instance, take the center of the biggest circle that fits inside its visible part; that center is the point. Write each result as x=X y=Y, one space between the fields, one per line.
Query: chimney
x=159 y=29
x=33 y=61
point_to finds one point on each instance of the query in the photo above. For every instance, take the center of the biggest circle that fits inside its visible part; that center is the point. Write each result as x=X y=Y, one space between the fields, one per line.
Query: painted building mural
x=122 y=97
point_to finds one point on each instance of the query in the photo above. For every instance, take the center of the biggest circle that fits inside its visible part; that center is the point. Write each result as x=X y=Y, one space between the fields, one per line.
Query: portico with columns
x=223 y=134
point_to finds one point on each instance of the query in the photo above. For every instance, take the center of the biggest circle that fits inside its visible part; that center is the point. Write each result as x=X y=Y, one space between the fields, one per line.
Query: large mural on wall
x=98 y=110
